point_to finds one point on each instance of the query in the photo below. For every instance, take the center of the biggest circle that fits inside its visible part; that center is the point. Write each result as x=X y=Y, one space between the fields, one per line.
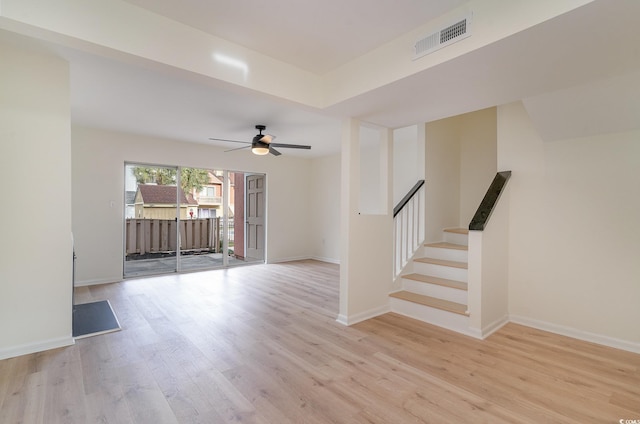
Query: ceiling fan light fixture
x=260 y=150
x=258 y=146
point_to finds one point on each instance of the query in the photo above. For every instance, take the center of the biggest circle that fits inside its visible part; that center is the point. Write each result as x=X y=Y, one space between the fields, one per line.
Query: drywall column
x=35 y=159
x=366 y=241
x=488 y=276
x=350 y=176
x=495 y=266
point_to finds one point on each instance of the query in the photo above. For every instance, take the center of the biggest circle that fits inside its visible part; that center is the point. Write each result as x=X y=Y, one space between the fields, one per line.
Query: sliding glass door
x=186 y=219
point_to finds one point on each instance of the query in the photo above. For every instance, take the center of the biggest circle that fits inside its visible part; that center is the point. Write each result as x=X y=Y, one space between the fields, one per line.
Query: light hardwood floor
x=260 y=344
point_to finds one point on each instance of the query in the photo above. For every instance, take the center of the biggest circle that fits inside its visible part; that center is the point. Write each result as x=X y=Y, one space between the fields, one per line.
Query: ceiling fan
x=262 y=144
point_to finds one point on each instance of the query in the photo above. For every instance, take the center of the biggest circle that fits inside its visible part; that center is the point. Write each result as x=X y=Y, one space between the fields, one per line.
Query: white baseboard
x=304 y=258
x=363 y=316
x=494 y=326
x=97 y=282
x=474 y=332
x=28 y=348
x=342 y=319
x=327 y=260
x=291 y=259
x=577 y=334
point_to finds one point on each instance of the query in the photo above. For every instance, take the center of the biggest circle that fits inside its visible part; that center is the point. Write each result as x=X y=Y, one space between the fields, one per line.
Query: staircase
x=436 y=290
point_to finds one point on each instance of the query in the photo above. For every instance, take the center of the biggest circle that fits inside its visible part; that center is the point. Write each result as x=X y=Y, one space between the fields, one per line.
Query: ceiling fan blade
x=274 y=151
x=232 y=141
x=237 y=148
x=268 y=138
x=291 y=146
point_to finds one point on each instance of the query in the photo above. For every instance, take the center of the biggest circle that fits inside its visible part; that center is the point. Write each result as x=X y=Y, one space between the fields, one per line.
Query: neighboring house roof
x=161 y=194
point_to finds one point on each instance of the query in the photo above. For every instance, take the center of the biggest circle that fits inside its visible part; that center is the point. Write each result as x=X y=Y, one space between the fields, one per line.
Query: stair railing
x=408 y=226
x=483 y=213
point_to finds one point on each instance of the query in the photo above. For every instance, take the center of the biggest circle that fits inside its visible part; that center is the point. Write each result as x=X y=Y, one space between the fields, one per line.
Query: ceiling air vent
x=445 y=36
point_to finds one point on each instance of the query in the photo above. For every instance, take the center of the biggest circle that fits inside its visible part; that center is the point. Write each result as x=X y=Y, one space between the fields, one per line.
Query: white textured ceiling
x=315 y=35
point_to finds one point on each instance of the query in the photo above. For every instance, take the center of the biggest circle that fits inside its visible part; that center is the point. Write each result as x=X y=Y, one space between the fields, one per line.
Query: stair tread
x=437 y=280
x=445 y=245
x=443 y=262
x=433 y=302
x=456 y=230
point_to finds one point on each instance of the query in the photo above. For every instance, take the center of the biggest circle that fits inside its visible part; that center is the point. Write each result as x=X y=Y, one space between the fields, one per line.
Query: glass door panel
x=202 y=227
x=152 y=207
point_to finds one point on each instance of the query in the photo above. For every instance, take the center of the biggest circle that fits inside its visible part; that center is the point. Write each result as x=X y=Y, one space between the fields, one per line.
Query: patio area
x=142 y=267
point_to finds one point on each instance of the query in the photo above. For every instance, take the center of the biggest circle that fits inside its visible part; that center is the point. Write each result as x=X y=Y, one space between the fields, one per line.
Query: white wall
x=442 y=177
x=478 y=160
x=35 y=156
x=371 y=199
x=325 y=210
x=98 y=183
x=461 y=161
x=574 y=239
x=408 y=167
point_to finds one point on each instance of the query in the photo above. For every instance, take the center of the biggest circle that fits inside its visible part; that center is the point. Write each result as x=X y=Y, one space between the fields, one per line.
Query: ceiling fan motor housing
x=264 y=139
x=259 y=146
x=258 y=142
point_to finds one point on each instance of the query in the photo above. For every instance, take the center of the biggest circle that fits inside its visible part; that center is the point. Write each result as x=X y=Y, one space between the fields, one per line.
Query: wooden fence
x=159 y=235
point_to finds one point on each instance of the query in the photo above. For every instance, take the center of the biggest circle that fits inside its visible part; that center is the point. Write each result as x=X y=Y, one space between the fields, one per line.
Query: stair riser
x=435 y=290
x=450 y=273
x=446 y=254
x=449 y=320
x=456 y=238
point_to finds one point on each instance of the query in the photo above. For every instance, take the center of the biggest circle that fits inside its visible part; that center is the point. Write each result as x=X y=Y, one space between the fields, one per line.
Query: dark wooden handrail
x=407 y=197
x=489 y=201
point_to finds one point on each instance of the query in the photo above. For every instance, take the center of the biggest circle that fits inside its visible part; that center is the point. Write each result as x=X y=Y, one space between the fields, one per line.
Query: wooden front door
x=255 y=216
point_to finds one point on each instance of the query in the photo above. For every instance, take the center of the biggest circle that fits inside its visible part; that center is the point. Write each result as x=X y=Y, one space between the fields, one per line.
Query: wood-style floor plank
x=261 y=344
